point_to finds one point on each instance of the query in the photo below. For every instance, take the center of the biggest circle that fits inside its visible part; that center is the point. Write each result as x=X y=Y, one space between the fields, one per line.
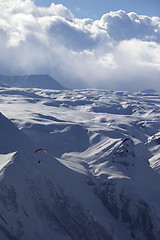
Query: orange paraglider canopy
x=40 y=149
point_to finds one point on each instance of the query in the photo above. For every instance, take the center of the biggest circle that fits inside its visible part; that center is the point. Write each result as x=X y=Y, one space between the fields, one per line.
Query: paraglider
x=40 y=149
x=127 y=139
x=128 y=144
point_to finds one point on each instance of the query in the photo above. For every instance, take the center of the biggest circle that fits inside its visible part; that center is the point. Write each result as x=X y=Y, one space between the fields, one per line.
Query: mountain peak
x=43 y=81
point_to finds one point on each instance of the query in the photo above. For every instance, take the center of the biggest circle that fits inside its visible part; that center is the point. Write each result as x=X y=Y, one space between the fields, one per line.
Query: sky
x=96 y=8
x=116 y=50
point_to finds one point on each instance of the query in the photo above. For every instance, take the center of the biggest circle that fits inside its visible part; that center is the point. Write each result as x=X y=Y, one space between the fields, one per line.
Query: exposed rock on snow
x=148 y=91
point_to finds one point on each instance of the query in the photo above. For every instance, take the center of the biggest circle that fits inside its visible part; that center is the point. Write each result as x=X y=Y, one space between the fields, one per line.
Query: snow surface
x=91 y=184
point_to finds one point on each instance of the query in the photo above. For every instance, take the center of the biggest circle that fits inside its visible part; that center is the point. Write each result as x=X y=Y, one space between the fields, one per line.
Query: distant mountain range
x=31 y=81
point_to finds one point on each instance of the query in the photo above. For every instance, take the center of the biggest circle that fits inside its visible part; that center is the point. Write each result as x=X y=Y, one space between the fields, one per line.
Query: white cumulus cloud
x=119 y=51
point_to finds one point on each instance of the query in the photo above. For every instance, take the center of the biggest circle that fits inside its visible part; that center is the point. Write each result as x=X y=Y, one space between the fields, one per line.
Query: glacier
x=100 y=177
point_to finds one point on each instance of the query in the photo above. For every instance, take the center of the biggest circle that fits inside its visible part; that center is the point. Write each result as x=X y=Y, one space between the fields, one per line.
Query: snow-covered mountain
x=100 y=176
x=32 y=81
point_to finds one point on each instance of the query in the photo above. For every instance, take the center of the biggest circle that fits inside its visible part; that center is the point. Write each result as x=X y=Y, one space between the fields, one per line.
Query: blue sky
x=94 y=9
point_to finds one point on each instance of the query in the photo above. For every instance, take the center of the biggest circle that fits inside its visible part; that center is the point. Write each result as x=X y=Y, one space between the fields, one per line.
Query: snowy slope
x=100 y=176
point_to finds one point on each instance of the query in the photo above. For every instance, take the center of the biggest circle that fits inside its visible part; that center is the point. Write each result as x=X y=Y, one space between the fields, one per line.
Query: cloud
x=120 y=51
x=122 y=26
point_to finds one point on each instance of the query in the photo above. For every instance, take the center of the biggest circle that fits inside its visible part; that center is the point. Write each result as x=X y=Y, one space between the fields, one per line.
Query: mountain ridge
x=43 y=81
